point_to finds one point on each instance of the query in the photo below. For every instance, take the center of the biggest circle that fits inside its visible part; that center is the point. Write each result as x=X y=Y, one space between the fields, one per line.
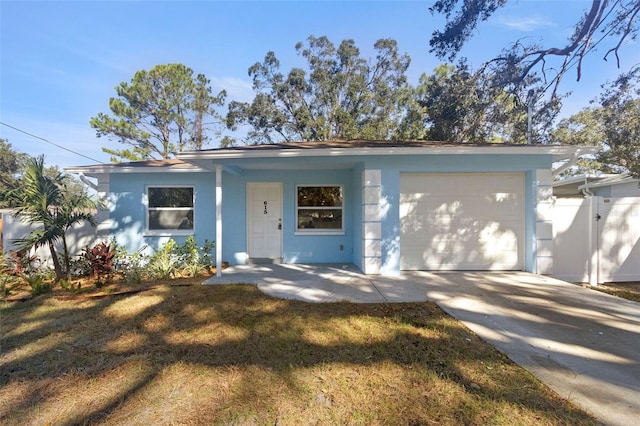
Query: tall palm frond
x=46 y=202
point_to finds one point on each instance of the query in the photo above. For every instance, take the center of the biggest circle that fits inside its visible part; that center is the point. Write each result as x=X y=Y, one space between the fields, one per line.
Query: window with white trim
x=170 y=208
x=319 y=208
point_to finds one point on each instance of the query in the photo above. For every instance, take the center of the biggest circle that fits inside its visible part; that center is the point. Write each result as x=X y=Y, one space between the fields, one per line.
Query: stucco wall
x=296 y=248
x=127 y=211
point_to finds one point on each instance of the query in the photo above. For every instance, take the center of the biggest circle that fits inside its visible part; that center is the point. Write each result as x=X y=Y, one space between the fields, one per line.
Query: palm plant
x=45 y=201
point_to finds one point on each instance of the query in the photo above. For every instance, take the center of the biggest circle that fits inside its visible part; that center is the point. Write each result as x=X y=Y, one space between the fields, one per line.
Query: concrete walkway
x=583 y=344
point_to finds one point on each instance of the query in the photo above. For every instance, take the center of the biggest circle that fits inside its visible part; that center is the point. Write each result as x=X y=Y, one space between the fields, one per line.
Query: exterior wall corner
x=371 y=221
x=544 y=222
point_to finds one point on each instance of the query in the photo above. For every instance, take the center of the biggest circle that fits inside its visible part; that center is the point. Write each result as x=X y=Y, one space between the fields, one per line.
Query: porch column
x=371 y=222
x=218 y=220
x=544 y=222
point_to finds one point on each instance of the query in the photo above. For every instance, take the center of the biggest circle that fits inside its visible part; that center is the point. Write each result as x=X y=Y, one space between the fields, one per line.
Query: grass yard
x=231 y=355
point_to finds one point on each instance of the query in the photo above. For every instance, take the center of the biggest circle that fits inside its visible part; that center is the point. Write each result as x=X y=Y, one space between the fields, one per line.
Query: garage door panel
x=461 y=221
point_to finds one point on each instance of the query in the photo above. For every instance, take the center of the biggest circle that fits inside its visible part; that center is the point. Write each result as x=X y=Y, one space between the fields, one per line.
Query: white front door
x=264 y=220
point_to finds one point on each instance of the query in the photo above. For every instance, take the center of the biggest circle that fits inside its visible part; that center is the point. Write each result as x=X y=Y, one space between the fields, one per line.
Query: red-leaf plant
x=100 y=257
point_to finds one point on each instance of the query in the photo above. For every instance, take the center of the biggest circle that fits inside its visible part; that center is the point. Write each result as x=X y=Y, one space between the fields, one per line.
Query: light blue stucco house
x=382 y=206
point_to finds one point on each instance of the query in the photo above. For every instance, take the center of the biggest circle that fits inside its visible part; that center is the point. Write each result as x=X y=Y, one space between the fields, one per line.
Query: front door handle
x=279 y=224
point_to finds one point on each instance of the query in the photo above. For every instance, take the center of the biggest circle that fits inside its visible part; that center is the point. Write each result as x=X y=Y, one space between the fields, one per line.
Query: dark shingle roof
x=353 y=143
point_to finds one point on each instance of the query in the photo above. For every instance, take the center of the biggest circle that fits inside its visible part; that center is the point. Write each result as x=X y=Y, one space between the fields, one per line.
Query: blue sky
x=60 y=61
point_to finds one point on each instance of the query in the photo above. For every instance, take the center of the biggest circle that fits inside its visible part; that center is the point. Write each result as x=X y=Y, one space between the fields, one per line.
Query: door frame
x=250 y=189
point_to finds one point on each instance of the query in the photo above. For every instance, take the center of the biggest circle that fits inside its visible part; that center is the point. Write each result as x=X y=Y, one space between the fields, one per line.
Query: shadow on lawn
x=44 y=341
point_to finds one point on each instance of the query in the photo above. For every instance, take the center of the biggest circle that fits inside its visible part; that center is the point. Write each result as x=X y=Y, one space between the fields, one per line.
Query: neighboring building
x=383 y=206
x=603 y=185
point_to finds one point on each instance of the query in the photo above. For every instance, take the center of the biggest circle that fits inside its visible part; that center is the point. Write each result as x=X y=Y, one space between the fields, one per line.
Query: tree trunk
x=67 y=260
x=56 y=262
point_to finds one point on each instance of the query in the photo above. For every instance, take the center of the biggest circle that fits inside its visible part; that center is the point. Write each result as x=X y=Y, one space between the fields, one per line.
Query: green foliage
x=135 y=269
x=340 y=96
x=163 y=263
x=101 y=258
x=207 y=253
x=37 y=284
x=457 y=104
x=194 y=269
x=47 y=202
x=66 y=284
x=11 y=162
x=187 y=253
x=163 y=110
x=193 y=259
x=607 y=25
x=131 y=266
x=20 y=262
x=80 y=267
x=613 y=124
x=7 y=284
x=172 y=258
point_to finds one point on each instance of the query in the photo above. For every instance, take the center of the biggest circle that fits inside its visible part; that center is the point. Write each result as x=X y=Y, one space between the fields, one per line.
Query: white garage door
x=462 y=221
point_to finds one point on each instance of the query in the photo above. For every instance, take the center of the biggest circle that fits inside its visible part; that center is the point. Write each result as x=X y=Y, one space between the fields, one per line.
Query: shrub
x=65 y=284
x=80 y=267
x=164 y=262
x=208 y=253
x=134 y=268
x=131 y=266
x=7 y=284
x=101 y=258
x=187 y=253
x=37 y=284
x=20 y=263
x=192 y=259
x=194 y=269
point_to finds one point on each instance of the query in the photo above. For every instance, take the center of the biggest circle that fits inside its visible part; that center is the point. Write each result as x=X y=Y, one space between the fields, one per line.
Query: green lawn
x=231 y=355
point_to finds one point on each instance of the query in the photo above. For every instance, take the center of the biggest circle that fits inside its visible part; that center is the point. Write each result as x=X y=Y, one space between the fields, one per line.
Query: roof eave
x=105 y=169
x=611 y=182
x=559 y=152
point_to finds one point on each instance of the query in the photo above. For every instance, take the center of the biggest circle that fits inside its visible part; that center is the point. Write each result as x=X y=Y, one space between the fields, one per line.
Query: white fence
x=596 y=239
x=78 y=237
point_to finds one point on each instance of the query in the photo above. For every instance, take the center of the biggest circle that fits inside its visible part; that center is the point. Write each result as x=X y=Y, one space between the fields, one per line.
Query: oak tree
x=613 y=123
x=458 y=104
x=340 y=94
x=607 y=24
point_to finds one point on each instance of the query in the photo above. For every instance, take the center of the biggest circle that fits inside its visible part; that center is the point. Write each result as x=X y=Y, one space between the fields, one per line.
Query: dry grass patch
x=231 y=355
x=627 y=290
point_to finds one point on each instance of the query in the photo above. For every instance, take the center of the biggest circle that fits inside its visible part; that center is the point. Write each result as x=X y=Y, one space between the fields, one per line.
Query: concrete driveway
x=583 y=344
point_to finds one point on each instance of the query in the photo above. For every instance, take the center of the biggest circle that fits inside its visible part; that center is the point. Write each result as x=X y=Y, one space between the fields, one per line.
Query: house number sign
x=265 y=207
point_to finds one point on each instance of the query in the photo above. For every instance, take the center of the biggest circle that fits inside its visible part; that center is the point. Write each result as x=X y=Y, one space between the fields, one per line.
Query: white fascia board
x=590 y=178
x=570 y=180
x=611 y=182
x=559 y=152
x=93 y=170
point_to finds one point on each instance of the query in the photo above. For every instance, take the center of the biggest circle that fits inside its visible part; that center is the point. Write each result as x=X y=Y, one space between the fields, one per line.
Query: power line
x=52 y=143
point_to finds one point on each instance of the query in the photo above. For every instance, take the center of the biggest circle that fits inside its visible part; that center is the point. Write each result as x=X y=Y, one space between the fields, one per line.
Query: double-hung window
x=170 y=209
x=319 y=209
